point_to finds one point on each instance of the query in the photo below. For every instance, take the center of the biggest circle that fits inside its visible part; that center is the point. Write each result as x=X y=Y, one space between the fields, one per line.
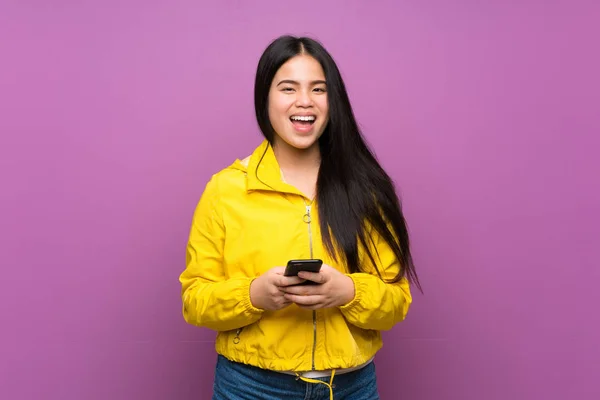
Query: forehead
x=300 y=68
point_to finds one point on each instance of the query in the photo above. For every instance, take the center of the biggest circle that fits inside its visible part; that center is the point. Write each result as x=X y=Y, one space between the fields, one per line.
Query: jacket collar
x=264 y=173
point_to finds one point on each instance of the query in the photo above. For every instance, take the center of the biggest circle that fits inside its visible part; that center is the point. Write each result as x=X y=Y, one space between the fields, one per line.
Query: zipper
x=307 y=219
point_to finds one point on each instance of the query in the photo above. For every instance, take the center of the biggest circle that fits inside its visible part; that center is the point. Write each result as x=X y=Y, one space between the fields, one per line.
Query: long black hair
x=354 y=193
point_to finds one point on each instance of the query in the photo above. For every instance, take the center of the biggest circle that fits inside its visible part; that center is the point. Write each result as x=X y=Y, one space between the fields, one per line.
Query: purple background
x=114 y=114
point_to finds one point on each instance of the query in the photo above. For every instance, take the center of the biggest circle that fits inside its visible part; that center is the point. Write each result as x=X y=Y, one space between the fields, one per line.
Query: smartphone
x=309 y=265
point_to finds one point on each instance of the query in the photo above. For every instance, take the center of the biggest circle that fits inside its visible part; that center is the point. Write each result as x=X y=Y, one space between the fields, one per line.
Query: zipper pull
x=307 y=217
x=236 y=339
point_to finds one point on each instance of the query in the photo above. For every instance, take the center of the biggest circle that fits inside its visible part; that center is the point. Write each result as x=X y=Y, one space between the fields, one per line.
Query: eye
x=287 y=89
x=320 y=90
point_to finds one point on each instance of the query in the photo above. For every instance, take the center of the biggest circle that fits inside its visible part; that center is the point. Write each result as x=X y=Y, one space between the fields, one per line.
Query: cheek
x=278 y=107
x=277 y=114
x=324 y=106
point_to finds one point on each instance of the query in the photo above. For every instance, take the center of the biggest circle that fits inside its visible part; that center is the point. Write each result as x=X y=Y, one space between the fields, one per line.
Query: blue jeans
x=235 y=381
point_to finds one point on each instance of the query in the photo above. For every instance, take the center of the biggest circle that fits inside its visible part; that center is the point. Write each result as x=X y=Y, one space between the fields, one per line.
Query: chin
x=303 y=142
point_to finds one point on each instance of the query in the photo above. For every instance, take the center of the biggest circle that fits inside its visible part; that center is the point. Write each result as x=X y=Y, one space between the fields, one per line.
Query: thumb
x=278 y=270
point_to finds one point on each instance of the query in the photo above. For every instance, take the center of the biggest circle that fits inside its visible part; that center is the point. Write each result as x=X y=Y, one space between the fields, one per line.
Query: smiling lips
x=303 y=123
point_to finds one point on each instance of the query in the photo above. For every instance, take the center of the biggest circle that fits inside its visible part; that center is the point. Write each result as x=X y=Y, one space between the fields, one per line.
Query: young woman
x=311 y=190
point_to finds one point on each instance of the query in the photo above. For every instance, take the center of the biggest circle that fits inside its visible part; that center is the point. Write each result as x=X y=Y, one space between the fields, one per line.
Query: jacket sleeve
x=210 y=299
x=378 y=305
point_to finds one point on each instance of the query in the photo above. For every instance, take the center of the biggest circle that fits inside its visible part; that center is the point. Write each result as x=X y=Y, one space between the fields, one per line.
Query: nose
x=303 y=98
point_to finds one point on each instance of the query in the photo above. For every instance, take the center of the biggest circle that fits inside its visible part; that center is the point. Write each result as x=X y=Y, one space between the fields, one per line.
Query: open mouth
x=303 y=120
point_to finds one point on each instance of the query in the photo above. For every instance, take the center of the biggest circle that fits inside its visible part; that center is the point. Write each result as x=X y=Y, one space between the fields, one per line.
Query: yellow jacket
x=248 y=221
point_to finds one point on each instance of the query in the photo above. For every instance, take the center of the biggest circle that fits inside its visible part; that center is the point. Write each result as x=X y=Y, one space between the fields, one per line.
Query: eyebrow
x=292 y=82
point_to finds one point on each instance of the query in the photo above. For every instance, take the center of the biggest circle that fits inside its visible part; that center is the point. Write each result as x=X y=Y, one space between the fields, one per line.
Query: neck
x=293 y=159
x=300 y=168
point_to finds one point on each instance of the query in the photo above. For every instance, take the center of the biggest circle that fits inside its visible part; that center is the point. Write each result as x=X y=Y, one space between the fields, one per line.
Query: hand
x=267 y=291
x=334 y=289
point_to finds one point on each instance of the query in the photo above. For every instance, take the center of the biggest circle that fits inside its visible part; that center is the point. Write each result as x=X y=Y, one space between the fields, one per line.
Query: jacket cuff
x=246 y=303
x=359 y=289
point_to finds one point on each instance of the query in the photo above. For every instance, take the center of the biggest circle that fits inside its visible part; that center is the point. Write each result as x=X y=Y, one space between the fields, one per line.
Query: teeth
x=303 y=118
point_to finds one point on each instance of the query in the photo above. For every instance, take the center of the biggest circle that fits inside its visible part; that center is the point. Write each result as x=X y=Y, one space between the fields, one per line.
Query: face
x=298 y=108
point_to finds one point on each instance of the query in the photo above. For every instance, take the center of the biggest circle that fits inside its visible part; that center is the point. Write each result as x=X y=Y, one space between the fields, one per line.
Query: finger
x=304 y=300
x=316 y=306
x=302 y=290
x=286 y=281
x=312 y=276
